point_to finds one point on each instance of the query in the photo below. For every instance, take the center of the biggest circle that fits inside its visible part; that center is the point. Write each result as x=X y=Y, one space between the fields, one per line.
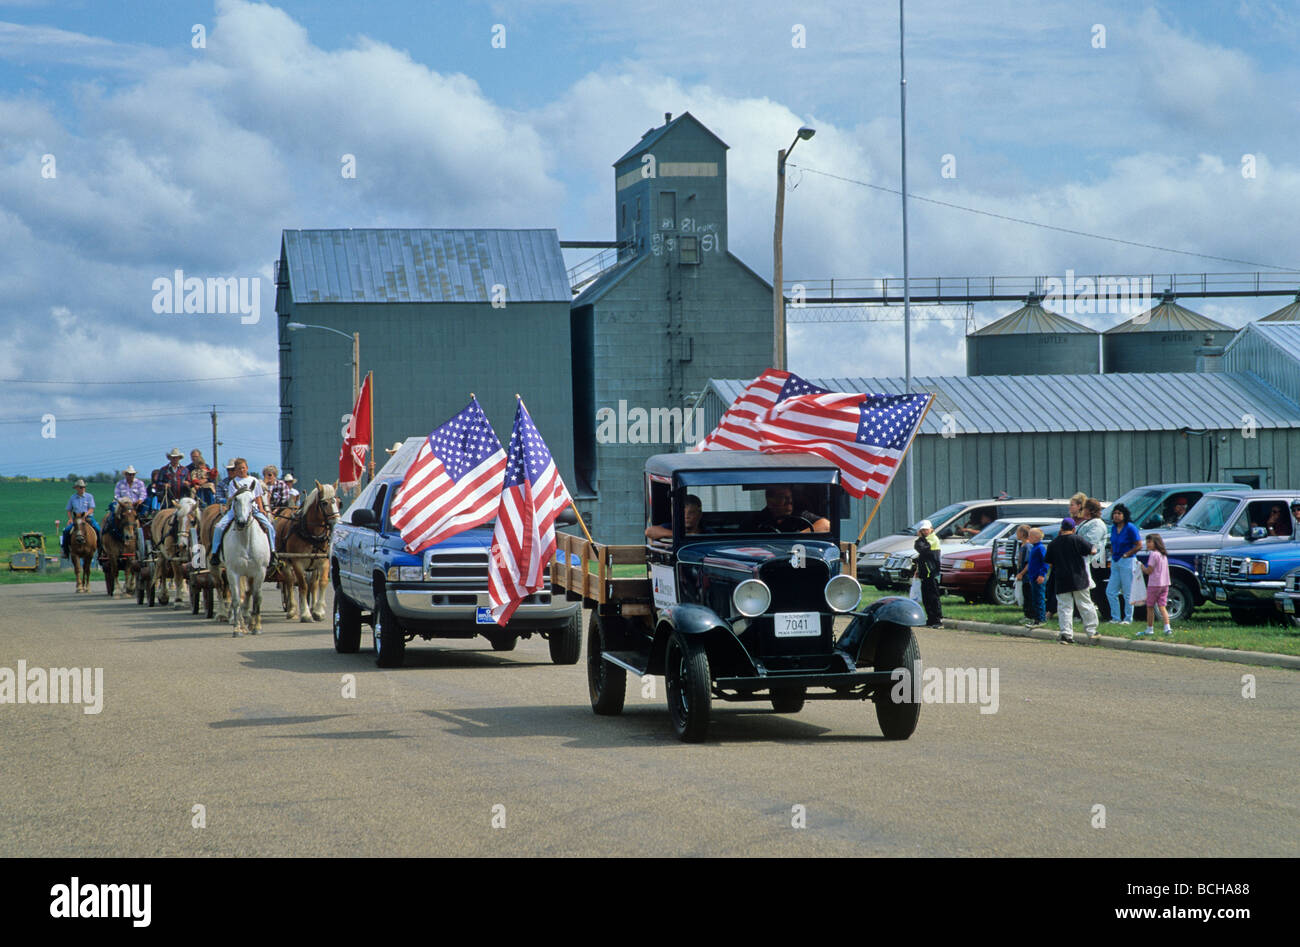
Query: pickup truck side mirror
x=1152 y=522
x=567 y=518
x=364 y=517
x=1256 y=532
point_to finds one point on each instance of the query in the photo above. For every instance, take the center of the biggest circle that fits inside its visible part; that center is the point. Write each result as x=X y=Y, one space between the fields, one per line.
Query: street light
x=778 y=296
x=356 y=352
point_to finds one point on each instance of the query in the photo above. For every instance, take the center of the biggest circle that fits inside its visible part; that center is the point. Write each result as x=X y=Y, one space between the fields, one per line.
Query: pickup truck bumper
x=456 y=611
x=1288 y=603
x=1243 y=594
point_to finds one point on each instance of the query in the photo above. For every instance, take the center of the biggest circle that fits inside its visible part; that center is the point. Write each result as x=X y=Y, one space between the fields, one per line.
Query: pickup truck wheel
x=347 y=625
x=390 y=640
x=503 y=640
x=1181 y=601
x=690 y=697
x=566 y=642
x=606 y=682
x=1001 y=594
x=898 y=650
x=788 y=700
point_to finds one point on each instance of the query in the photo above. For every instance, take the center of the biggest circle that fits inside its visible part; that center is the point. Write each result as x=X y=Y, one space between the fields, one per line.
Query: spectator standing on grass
x=1124 y=545
x=927 y=571
x=1022 y=550
x=1036 y=574
x=1093 y=529
x=1068 y=556
x=1157 y=571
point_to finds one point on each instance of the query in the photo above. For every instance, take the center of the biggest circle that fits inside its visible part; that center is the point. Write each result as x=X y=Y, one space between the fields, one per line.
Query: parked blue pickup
x=1249 y=577
x=439 y=593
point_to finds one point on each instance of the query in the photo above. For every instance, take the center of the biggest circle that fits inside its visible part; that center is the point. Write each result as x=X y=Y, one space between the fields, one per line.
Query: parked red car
x=967 y=570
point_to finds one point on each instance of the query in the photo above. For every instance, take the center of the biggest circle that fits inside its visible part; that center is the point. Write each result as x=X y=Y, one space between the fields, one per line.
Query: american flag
x=738 y=429
x=524 y=541
x=453 y=484
x=865 y=436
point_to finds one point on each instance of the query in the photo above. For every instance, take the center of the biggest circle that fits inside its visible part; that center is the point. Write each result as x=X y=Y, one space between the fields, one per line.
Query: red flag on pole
x=356 y=441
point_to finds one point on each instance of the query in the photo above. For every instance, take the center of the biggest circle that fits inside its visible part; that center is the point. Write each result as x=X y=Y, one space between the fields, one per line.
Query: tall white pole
x=907 y=295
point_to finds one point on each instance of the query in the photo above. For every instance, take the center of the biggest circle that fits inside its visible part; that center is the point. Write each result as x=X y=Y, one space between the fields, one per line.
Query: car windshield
x=766 y=508
x=1139 y=502
x=937 y=519
x=1210 y=513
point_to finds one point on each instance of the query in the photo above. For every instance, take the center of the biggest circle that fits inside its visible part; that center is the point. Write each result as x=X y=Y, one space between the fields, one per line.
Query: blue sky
x=174 y=157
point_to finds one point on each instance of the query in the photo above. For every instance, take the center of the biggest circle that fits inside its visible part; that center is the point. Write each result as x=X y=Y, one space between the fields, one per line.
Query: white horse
x=245 y=555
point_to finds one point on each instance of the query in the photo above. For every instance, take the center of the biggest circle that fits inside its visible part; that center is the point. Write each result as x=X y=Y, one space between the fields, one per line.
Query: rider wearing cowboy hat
x=242 y=481
x=293 y=493
x=172 y=479
x=128 y=490
x=223 y=486
x=79 y=502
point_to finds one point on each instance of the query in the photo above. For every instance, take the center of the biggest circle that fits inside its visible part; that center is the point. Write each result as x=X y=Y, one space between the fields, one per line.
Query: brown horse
x=81 y=548
x=304 y=535
x=207 y=526
x=115 y=554
x=170 y=534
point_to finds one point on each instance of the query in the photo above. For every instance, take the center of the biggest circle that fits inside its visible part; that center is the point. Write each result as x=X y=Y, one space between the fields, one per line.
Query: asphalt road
x=257 y=731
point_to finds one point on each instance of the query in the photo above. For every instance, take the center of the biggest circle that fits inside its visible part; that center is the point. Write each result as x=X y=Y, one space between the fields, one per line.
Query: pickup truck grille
x=1004 y=551
x=462 y=571
x=1219 y=567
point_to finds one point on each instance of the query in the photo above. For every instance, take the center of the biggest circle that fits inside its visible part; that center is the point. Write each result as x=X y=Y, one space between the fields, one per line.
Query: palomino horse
x=113 y=551
x=170 y=534
x=81 y=548
x=245 y=556
x=306 y=532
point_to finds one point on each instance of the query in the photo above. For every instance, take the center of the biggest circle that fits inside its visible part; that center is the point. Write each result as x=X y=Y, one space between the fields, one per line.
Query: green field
x=33 y=507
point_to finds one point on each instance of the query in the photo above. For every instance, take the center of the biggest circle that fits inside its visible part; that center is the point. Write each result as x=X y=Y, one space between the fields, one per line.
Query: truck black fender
x=727 y=656
x=881 y=617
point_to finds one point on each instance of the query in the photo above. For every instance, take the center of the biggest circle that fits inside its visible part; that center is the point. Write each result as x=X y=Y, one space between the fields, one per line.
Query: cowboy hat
x=130 y=469
x=175 y=452
x=289 y=478
x=80 y=483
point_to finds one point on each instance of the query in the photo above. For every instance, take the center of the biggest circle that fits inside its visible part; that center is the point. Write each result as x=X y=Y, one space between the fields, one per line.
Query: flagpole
x=370 y=386
x=906 y=451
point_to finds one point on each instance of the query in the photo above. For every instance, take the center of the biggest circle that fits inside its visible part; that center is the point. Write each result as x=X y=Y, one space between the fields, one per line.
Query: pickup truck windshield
x=770 y=507
x=1210 y=514
x=1139 y=503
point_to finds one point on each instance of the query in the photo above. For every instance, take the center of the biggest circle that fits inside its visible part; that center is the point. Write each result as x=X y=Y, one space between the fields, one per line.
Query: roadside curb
x=1259 y=658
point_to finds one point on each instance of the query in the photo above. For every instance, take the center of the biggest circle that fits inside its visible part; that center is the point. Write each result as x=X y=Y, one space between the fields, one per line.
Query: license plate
x=798 y=624
x=1004 y=574
x=1220 y=595
x=483 y=616
x=1288 y=606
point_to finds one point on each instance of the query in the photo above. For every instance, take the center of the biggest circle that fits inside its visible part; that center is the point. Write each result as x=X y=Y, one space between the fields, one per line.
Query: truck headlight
x=751 y=598
x=411 y=573
x=965 y=564
x=843 y=593
x=1255 y=567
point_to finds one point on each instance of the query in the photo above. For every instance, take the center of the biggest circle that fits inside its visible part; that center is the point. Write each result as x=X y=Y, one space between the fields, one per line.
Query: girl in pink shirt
x=1157 y=572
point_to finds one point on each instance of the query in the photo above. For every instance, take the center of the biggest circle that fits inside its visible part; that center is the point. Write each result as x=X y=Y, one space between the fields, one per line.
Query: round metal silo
x=1033 y=341
x=1165 y=338
x=1288 y=313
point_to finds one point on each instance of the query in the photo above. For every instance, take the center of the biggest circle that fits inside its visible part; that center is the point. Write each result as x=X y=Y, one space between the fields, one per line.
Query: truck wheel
x=347 y=625
x=502 y=640
x=690 y=697
x=606 y=683
x=390 y=641
x=898 y=650
x=1002 y=594
x=566 y=642
x=1181 y=601
x=788 y=700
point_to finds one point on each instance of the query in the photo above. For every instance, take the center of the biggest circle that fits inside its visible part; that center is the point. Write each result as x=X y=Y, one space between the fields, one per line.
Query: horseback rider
x=294 y=495
x=277 y=491
x=79 y=502
x=223 y=485
x=170 y=482
x=243 y=481
x=128 y=490
x=201 y=477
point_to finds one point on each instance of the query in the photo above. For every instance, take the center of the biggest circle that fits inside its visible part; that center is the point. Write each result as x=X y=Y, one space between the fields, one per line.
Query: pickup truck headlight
x=405 y=574
x=1254 y=567
x=843 y=593
x=751 y=598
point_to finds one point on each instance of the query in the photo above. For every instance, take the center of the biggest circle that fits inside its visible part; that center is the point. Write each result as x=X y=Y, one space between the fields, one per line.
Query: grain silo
x=1164 y=338
x=1288 y=313
x=1033 y=341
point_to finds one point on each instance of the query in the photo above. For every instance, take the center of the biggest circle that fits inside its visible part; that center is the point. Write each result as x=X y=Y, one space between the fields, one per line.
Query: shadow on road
x=272 y=721
x=327 y=661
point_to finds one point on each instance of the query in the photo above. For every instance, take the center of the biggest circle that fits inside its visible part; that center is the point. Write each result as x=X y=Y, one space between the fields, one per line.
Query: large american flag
x=453 y=484
x=865 y=435
x=738 y=429
x=524 y=541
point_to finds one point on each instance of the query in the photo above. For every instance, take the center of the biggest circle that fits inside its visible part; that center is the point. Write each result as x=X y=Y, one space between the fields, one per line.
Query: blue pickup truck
x=1251 y=579
x=439 y=593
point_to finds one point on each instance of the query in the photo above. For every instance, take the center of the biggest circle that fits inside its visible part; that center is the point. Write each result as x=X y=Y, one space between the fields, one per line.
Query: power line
x=1034 y=223
x=142 y=381
x=126 y=417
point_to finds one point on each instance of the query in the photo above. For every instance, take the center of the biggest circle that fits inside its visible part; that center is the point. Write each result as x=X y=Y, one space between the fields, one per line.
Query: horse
x=245 y=556
x=208 y=517
x=81 y=549
x=306 y=532
x=170 y=533
x=113 y=551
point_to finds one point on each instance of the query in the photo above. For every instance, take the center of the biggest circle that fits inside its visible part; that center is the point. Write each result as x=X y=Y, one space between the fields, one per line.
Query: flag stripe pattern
x=454 y=482
x=865 y=435
x=356 y=440
x=524 y=541
x=738 y=429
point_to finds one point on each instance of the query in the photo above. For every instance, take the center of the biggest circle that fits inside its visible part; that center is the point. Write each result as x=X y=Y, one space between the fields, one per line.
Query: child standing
x=1157 y=571
x=1036 y=574
x=1026 y=594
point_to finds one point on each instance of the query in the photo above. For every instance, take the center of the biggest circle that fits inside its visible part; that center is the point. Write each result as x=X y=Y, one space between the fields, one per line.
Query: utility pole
x=907 y=295
x=214 y=438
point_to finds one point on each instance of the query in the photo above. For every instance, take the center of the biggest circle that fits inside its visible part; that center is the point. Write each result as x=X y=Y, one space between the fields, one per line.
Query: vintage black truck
x=741 y=604
x=441 y=592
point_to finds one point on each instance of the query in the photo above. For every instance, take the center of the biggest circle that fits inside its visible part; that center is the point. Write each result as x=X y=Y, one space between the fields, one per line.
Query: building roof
x=1029 y=404
x=424 y=266
x=1284 y=337
x=1168 y=316
x=1288 y=313
x=609 y=279
x=1032 y=318
x=667 y=464
x=649 y=139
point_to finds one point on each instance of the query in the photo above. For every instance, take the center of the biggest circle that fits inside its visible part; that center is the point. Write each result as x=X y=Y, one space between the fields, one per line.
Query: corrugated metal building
x=1033 y=341
x=1164 y=338
x=1051 y=435
x=423 y=303
x=1288 y=313
x=677 y=308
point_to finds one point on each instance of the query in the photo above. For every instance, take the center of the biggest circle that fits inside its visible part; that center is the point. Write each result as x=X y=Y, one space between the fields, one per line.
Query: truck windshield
x=767 y=508
x=1210 y=514
x=1139 y=501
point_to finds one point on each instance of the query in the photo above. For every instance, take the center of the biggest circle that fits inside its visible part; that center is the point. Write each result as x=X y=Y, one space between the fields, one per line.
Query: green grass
x=1211 y=626
x=33 y=507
